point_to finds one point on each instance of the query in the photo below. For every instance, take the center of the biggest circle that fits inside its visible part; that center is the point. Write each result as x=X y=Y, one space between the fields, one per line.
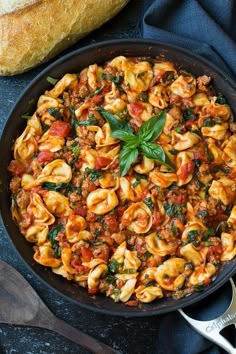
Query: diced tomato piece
x=156 y=218
x=145 y=193
x=121 y=209
x=45 y=156
x=93 y=291
x=112 y=222
x=215 y=250
x=16 y=167
x=186 y=169
x=60 y=128
x=104 y=251
x=86 y=254
x=101 y=162
x=92 y=186
x=136 y=109
x=82 y=211
x=131 y=303
x=78 y=163
x=177 y=198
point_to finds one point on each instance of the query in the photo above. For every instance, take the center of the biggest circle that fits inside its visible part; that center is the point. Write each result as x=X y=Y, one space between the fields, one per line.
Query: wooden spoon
x=20 y=305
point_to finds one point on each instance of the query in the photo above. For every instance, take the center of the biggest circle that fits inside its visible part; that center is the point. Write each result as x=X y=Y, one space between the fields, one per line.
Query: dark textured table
x=125 y=335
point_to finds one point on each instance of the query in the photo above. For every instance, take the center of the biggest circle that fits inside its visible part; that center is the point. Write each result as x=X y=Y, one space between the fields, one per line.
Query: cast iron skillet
x=73 y=62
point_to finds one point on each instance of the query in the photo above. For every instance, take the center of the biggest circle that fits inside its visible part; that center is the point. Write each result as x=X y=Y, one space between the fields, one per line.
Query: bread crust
x=35 y=33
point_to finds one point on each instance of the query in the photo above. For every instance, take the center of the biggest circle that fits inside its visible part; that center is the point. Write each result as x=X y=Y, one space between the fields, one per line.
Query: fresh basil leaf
x=156 y=152
x=127 y=156
x=115 y=124
x=151 y=129
x=126 y=137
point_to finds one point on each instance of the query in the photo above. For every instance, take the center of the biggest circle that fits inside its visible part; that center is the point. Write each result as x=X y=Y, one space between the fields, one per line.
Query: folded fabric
x=206 y=27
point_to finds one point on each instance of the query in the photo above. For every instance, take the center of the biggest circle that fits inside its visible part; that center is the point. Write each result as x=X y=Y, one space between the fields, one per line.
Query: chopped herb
x=208 y=243
x=196 y=131
x=26 y=116
x=116 y=294
x=198 y=288
x=202 y=214
x=79 y=190
x=196 y=243
x=143 y=96
x=173 y=152
x=113 y=266
x=178 y=129
x=188 y=114
x=209 y=122
x=110 y=279
x=171 y=209
x=142 y=74
x=93 y=174
x=129 y=271
x=55 y=112
x=149 y=203
x=170 y=76
x=208 y=233
x=100 y=218
x=135 y=183
x=147 y=255
x=52 y=238
x=51 y=186
x=221 y=99
x=51 y=80
x=96 y=92
x=97 y=233
x=150 y=283
x=189 y=265
x=117 y=79
x=192 y=235
x=75 y=149
x=209 y=154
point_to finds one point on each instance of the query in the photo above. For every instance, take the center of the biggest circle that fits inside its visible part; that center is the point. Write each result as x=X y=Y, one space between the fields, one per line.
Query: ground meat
x=176 y=113
x=86 y=138
x=15 y=184
x=118 y=237
x=202 y=82
x=232 y=127
x=23 y=199
x=68 y=157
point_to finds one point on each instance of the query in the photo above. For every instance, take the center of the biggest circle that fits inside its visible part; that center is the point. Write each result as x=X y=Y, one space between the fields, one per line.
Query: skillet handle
x=211 y=329
x=75 y=335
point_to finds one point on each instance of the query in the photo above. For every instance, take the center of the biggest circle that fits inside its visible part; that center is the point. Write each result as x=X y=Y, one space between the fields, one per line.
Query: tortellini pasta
x=141 y=214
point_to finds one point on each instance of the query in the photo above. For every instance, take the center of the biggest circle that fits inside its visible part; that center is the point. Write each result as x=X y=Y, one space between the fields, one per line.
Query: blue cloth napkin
x=208 y=28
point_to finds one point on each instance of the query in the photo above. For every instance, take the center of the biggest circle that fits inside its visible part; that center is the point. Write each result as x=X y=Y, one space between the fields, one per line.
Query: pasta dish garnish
x=124 y=180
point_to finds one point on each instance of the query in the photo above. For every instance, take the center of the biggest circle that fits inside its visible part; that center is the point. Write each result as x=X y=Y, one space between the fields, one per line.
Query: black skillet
x=73 y=62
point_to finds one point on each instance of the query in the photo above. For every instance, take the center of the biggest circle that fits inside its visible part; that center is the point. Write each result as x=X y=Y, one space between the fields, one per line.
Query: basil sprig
x=142 y=142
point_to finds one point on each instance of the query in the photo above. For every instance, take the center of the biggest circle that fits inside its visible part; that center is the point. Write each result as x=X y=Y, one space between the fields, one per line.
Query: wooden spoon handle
x=80 y=338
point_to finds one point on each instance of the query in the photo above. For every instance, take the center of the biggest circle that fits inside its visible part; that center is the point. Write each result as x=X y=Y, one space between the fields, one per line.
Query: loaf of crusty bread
x=33 y=31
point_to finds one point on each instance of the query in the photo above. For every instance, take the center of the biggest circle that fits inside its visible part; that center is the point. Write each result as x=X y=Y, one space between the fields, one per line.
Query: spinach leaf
x=93 y=174
x=52 y=238
x=55 y=112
